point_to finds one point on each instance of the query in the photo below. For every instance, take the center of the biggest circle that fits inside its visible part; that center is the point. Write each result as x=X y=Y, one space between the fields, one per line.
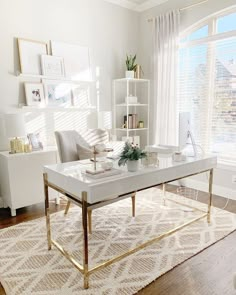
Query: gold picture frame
x=30 y=52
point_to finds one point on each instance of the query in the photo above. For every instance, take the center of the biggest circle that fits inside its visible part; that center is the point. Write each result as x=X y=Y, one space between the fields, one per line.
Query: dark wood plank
x=209 y=272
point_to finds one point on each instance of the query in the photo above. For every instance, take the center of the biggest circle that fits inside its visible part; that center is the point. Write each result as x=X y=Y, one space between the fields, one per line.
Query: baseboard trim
x=217 y=190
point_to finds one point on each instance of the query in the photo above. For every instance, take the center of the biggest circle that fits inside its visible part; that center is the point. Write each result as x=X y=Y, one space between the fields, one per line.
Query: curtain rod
x=186 y=7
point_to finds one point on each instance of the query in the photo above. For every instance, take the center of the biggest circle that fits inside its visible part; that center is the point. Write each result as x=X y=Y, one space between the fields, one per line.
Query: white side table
x=21 y=177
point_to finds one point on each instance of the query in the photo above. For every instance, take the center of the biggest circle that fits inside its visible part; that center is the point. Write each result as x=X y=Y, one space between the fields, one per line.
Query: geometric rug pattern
x=27 y=267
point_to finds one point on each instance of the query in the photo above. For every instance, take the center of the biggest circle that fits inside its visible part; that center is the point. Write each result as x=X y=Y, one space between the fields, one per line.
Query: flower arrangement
x=131 y=152
x=130 y=62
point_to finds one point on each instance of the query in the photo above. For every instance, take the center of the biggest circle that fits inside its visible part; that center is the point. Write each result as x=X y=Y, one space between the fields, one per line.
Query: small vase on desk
x=132 y=166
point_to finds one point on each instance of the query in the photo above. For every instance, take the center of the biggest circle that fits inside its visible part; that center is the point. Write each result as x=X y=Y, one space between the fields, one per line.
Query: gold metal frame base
x=85 y=208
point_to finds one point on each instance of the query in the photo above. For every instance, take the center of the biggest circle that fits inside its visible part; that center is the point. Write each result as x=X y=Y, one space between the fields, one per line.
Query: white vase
x=129 y=74
x=132 y=166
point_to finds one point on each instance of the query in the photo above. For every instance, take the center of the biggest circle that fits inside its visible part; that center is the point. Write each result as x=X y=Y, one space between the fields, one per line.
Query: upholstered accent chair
x=73 y=146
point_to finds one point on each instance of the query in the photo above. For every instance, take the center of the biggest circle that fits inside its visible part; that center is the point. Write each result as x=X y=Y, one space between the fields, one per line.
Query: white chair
x=68 y=142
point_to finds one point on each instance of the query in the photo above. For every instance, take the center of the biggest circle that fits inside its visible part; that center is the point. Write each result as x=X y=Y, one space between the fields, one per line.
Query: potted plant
x=131 y=155
x=130 y=66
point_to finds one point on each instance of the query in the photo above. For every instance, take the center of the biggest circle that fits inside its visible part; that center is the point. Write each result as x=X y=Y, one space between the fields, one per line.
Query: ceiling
x=137 y=5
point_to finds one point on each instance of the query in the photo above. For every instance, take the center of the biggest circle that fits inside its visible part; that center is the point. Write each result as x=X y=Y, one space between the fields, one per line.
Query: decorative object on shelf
x=15 y=128
x=131 y=155
x=57 y=93
x=80 y=95
x=29 y=53
x=140 y=124
x=34 y=141
x=34 y=94
x=130 y=66
x=52 y=66
x=131 y=99
x=76 y=60
x=97 y=149
x=138 y=71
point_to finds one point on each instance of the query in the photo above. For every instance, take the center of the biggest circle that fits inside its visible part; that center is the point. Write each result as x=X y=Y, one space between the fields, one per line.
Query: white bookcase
x=139 y=88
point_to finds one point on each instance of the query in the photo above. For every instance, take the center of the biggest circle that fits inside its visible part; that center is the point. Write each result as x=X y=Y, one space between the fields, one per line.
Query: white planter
x=132 y=166
x=129 y=74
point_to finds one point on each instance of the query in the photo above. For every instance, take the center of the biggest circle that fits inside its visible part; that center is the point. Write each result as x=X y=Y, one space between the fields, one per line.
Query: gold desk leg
x=85 y=233
x=47 y=211
x=67 y=207
x=210 y=196
x=164 y=193
x=133 y=204
x=90 y=220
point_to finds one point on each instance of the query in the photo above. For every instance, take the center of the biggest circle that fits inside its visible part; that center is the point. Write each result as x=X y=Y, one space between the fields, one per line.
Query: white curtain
x=165 y=67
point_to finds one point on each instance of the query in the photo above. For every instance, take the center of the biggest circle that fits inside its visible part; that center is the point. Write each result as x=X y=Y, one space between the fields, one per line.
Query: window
x=226 y=23
x=197 y=34
x=207 y=87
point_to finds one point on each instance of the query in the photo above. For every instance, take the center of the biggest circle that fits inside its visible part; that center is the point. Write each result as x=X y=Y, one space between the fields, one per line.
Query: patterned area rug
x=27 y=267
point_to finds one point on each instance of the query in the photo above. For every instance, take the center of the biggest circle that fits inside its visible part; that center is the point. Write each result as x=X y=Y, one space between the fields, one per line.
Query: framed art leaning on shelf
x=52 y=66
x=29 y=53
x=34 y=94
x=35 y=142
x=57 y=93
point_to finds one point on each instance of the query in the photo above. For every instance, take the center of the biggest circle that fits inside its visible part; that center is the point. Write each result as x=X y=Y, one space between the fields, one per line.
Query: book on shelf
x=132 y=121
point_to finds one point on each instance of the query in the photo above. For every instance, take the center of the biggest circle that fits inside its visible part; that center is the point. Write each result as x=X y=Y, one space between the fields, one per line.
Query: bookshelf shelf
x=132 y=105
x=131 y=129
x=131 y=115
x=64 y=79
x=56 y=109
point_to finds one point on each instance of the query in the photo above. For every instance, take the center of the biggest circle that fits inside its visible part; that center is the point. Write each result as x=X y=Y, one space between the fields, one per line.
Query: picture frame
x=34 y=93
x=34 y=141
x=57 y=93
x=52 y=66
x=76 y=60
x=80 y=95
x=30 y=52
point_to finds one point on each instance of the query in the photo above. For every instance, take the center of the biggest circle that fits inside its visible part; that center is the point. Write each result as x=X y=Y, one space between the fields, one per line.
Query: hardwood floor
x=209 y=272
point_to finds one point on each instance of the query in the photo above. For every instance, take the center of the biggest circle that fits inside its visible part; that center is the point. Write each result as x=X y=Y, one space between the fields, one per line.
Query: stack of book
x=131 y=122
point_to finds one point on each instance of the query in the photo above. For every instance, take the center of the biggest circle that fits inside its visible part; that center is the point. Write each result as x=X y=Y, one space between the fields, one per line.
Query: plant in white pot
x=131 y=155
x=130 y=66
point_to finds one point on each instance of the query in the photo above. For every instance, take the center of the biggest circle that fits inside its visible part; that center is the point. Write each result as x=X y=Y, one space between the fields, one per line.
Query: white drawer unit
x=21 y=177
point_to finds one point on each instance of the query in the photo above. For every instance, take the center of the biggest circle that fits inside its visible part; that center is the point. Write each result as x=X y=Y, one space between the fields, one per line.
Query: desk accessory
x=96 y=150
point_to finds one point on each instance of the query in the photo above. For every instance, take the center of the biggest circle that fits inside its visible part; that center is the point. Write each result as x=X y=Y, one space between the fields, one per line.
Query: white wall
x=109 y=30
x=223 y=175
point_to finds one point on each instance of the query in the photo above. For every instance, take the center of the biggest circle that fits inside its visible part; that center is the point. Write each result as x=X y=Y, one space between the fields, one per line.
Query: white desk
x=70 y=179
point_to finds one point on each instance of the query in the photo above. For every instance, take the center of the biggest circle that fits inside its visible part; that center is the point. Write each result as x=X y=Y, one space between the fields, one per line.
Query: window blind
x=207 y=89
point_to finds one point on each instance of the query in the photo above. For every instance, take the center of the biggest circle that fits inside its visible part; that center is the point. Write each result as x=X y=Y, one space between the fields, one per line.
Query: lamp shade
x=15 y=125
x=105 y=120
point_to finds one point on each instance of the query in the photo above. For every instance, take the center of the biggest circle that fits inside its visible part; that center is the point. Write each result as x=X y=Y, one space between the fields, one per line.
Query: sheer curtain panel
x=165 y=65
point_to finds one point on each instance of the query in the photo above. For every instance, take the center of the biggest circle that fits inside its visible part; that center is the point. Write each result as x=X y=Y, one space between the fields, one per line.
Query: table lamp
x=15 y=128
